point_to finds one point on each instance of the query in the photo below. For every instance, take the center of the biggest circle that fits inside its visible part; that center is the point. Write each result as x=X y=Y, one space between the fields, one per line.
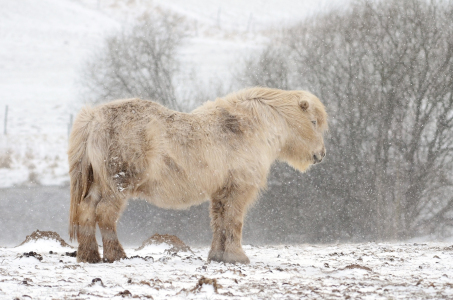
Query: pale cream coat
x=222 y=152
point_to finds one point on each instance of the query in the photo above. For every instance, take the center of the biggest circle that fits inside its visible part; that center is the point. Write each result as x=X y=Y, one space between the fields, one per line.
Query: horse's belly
x=176 y=203
x=175 y=197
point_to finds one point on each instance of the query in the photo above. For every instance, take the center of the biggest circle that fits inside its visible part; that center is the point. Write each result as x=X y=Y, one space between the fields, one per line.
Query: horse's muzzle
x=317 y=158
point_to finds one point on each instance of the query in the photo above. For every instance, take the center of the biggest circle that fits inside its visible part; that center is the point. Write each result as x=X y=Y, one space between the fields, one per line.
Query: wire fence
x=21 y=126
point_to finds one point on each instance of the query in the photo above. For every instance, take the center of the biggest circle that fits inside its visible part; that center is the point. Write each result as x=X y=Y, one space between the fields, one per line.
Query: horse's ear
x=303 y=104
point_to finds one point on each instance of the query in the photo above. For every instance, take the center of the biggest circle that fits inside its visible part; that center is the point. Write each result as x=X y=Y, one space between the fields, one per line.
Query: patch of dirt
x=172 y=240
x=146 y=258
x=124 y=293
x=204 y=280
x=72 y=267
x=45 y=235
x=71 y=254
x=199 y=285
x=32 y=254
x=96 y=281
x=355 y=266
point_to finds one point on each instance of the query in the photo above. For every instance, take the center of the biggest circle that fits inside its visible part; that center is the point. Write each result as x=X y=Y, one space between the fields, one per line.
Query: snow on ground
x=348 y=271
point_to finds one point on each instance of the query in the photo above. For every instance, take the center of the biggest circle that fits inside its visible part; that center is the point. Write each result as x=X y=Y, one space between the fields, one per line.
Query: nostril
x=318 y=158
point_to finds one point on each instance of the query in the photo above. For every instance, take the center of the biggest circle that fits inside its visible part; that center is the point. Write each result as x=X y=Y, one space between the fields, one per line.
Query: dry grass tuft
x=204 y=280
x=174 y=241
x=6 y=160
x=45 y=235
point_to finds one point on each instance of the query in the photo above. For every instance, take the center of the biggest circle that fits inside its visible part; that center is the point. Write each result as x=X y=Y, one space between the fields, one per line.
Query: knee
x=109 y=210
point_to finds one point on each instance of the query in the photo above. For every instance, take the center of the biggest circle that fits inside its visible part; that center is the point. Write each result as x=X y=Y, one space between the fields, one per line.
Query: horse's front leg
x=228 y=208
x=218 y=231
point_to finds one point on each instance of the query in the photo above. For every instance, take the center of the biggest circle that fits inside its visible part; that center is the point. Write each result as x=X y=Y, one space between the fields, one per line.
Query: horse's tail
x=80 y=168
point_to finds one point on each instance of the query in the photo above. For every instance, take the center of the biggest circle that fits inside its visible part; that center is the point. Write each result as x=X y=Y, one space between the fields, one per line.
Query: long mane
x=282 y=102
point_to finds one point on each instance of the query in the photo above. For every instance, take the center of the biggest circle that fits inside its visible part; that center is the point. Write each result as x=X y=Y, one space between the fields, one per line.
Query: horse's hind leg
x=86 y=232
x=108 y=212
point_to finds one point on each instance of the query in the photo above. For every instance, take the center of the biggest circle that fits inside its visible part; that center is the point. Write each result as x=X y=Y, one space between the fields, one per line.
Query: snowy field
x=349 y=271
x=45 y=45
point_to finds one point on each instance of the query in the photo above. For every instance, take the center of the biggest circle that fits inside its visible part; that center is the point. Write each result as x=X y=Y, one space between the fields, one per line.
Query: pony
x=220 y=152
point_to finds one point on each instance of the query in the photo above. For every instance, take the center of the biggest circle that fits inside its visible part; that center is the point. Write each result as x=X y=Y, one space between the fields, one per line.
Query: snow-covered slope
x=44 y=44
x=232 y=15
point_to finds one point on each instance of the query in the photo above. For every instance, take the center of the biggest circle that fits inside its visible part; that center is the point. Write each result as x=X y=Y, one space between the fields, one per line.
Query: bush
x=385 y=72
x=140 y=61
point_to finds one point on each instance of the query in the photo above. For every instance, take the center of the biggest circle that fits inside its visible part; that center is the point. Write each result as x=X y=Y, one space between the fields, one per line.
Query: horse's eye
x=314 y=122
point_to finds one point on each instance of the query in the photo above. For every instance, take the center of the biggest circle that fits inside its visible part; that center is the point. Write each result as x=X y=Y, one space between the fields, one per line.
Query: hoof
x=91 y=257
x=215 y=256
x=111 y=260
x=111 y=255
x=233 y=258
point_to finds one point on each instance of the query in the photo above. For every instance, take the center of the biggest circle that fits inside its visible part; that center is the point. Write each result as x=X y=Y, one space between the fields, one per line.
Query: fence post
x=6 y=121
x=70 y=125
x=249 y=23
x=218 y=17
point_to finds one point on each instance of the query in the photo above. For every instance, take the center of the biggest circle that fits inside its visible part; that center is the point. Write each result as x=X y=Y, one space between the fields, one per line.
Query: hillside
x=45 y=45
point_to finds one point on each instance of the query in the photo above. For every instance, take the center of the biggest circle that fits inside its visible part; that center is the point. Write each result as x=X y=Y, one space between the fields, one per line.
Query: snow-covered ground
x=349 y=271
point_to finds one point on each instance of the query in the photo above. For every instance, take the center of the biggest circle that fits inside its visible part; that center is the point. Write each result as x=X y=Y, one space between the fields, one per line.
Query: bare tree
x=140 y=61
x=270 y=68
x=385 y=71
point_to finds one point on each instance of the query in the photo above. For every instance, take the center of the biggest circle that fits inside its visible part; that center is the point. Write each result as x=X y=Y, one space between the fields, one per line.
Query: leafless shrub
x=385 y=71
x=199 y=92
x=273 y=70
x=33 y=178
x=140 y=61
x=6 y=160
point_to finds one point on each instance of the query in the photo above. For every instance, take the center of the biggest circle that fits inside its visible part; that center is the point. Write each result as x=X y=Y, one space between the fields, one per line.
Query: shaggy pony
x=221 y=151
